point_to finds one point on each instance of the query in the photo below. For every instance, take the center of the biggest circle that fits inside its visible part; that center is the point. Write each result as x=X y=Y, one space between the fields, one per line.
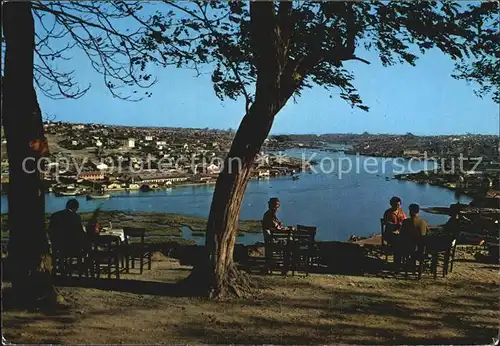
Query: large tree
x=22 y=122
x=37 y=37
x=267 y=52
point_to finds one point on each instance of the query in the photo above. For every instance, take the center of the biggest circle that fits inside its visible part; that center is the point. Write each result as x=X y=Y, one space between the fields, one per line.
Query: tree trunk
x=28 y=248
x=216 y=275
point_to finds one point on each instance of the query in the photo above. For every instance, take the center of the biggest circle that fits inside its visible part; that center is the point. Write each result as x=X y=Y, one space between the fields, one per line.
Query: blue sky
x=424 y=100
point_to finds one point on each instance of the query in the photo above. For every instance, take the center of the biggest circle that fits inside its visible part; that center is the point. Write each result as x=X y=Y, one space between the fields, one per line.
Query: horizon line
x=273 y=133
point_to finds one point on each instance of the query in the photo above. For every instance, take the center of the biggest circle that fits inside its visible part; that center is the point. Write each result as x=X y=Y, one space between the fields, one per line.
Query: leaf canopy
x=313 y=40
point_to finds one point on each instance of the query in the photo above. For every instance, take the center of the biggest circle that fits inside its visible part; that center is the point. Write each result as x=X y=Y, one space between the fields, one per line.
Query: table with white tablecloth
x=117 y=232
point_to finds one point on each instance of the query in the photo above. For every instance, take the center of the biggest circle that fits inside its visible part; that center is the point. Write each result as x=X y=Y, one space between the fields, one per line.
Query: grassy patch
x=168 y=240
x=170 y=231
x=154 y=223
x=250 y=226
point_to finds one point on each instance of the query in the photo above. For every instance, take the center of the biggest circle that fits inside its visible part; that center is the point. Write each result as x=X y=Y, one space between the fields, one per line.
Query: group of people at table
x=405 y=234
x=408 y=236
x=71 y=238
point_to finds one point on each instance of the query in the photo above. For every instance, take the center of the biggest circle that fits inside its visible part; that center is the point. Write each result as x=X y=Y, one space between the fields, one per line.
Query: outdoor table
x=117 y=232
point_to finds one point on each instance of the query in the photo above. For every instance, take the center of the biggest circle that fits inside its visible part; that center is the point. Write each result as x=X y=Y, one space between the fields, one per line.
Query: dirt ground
x=320 y=309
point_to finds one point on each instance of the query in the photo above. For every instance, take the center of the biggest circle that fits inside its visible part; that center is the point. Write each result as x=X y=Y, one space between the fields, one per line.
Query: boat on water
x=98 y=196
x=98 y=193
x=66 y=193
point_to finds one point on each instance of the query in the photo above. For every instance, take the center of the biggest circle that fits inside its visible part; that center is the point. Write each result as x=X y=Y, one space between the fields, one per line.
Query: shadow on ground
x=345 y=305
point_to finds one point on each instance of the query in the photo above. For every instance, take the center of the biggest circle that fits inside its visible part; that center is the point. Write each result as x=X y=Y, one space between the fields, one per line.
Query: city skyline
x=47 y=120
x=423 y=100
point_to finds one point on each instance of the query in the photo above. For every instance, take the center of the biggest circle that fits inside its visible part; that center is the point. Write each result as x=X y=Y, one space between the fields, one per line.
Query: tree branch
x=229 y=63
x=264 y=38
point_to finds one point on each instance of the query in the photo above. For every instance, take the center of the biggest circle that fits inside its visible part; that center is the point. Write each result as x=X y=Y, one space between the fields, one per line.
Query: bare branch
x=119 y=55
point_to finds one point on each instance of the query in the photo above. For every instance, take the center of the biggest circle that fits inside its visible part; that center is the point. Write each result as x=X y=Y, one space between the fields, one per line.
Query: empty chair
x=135 y=249
x=303 y=248
x=301 y=228
x=277 y=252
x=439 y=247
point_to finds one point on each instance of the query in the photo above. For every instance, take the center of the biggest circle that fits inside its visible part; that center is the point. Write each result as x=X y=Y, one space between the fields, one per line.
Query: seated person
x=455 y=223
x=66 y=231
x=393 y=218
x=270 y=220
x=412 y=233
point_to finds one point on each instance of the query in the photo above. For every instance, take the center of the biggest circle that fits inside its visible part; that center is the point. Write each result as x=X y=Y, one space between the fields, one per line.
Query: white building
x=131 y=143
x=411 y=152
x=263 y=173
x=148 y=138
x=102 y=166
x=113 y=186
x=213 y=169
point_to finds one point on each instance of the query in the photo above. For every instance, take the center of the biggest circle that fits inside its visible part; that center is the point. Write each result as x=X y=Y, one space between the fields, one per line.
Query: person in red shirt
x=393 y=219
x=394 y=216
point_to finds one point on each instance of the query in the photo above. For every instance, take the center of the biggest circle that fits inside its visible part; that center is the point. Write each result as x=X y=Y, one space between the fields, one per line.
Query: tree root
x=237 y=283
x=234 y=284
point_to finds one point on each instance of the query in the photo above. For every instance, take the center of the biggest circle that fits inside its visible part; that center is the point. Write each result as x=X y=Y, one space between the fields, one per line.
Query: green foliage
x=311 y=41
x=483 y=70
x=308 y=42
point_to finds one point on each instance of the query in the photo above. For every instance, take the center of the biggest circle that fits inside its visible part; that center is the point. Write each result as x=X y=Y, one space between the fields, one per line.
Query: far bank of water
x=338 y=204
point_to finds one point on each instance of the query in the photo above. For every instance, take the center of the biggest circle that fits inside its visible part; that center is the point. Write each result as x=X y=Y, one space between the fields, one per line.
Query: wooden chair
x=386 y=249
x=277 y=251
x=67 y=262
x=436 y=248
x=407 y=255
x=106 y=253
x=450 y=257
x=302 y=248
x=136 y=251
x=315 y=249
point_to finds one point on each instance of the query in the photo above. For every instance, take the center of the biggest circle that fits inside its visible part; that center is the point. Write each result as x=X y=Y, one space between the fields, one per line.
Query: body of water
x=339 y=204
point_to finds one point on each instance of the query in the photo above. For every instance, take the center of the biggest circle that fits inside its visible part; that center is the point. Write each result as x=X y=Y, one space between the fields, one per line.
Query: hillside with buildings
x=123 y=157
